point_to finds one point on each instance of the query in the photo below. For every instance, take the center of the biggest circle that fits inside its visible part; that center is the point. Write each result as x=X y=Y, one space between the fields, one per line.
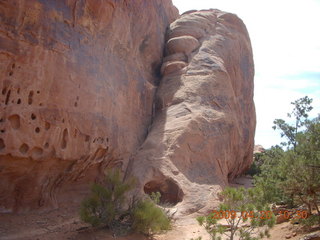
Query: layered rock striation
x=77 y=84
x=203 y=132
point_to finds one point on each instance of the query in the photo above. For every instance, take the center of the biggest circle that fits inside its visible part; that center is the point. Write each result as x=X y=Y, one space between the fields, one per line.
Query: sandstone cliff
x=80 y=93
x=203 y=131
x=77 y=84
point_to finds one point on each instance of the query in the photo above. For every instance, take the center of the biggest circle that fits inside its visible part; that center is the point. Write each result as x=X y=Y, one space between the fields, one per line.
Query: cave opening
x=171 y=193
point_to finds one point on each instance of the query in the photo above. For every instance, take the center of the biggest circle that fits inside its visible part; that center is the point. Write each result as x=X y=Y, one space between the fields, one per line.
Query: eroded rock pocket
x=171 y=193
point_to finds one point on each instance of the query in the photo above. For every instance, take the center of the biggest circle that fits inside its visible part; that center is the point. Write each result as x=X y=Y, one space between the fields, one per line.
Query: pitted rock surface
x=81 y=91
x=77 y=84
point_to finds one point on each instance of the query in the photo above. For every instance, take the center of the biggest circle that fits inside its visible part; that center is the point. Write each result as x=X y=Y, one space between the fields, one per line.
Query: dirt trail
x=63 y=223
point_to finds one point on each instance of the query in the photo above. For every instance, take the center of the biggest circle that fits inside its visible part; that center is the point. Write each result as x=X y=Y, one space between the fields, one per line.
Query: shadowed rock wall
x=77 y=84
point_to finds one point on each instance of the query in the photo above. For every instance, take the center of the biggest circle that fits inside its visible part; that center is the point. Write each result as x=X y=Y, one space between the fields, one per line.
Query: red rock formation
x=258 y=149
x=202 y=135
x=78 y=80
x=77 y=83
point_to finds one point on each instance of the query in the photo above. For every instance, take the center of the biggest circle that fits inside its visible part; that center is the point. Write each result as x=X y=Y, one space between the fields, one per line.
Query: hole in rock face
x=46 y=145
x=24 y=148
x=75 y=133
x=36 y=152
x=15 y=121
x=19 y=101
x=30 y=97
x=87 y=138
x=64 y=138
x=169 y=190
x=37 y=130
x=46 y=125
x=2 y=145
x=8 y=97
x=33 y=116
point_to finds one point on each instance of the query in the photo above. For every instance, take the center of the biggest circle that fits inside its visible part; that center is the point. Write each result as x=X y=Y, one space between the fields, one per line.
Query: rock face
x=203 y=131
x=258 y=149
x=77 y=84
x=79 y=93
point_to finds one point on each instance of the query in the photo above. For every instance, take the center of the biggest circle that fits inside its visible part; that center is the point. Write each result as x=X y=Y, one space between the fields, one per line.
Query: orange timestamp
x=300 y=214
x=232 y=214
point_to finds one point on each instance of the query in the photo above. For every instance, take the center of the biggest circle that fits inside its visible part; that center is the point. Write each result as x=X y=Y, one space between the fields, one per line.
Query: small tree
x=302 y=175
x=302 y=107
x=247 y=205
x=272 y=175
x=293 y=176
x=105 y=204
x=105 y=207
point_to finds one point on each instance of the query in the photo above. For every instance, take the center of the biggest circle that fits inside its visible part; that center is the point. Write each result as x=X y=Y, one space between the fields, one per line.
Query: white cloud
x=286 y=42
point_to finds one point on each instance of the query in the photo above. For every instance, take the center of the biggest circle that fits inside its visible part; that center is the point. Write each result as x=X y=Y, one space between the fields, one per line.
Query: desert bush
x=293 y=176
x=155 y=197
x=255 y=167
x=148 y=218
x=105 y=208
x=105 y=203
x=247 y=207
x=310 y=221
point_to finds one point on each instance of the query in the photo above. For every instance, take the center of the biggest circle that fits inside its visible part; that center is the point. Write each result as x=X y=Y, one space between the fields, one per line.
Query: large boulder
x=77 y=85
x=203 y=132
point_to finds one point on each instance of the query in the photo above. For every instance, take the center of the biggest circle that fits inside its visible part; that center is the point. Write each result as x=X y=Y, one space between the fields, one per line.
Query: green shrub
x=250 y=209
x=105 y=207
x=105 y=203
x=155 y=197
x=292 y=176
x=310 y=221
x=148 y=218
x=255 y=168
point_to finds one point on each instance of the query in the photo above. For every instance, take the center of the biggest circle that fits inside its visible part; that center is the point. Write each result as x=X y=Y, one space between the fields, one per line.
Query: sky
x=285 y=37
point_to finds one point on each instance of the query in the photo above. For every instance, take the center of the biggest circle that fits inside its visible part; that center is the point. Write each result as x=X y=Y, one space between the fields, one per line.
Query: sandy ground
x=64 y=223
x=54 y=226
